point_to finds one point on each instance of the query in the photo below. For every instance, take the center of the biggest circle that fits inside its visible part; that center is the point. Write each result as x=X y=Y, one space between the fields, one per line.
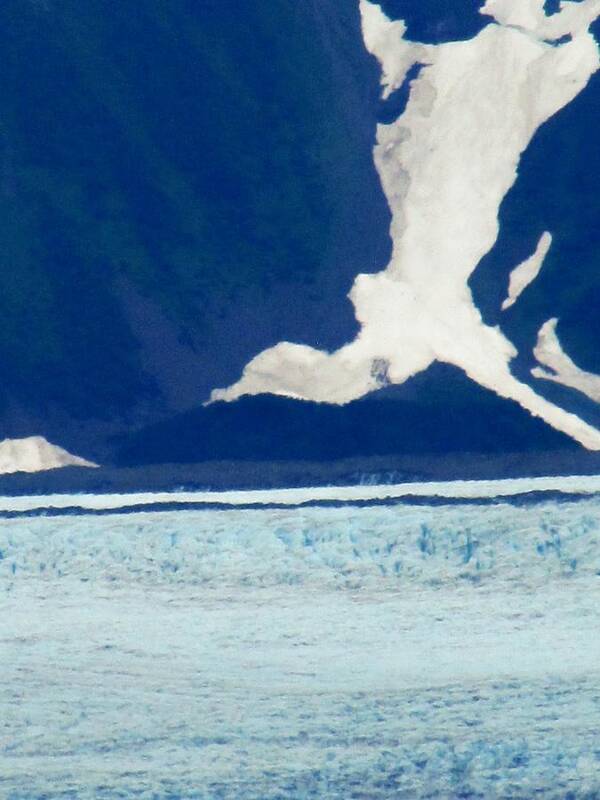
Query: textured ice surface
x=302 y=653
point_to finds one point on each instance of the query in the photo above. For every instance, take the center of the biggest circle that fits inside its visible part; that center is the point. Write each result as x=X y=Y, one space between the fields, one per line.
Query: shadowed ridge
x=439 y=411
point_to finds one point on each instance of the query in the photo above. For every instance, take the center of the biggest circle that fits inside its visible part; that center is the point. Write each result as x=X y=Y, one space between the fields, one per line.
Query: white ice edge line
x=582 y=484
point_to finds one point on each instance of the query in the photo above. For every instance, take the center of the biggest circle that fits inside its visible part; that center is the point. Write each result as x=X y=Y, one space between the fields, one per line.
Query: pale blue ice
x=396 y=652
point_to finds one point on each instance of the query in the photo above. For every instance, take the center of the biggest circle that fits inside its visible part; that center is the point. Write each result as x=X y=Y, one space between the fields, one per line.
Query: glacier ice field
x=357 y=652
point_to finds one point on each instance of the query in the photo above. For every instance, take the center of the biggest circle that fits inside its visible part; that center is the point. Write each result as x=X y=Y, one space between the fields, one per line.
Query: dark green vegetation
x=165 y=169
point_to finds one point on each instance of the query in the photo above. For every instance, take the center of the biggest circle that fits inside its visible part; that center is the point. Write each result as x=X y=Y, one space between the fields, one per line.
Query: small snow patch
x=35 y=454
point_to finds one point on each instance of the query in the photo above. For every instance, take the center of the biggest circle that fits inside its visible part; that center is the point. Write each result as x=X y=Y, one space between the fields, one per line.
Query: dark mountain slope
x=181 y=185
x=435 y=21
x=440 y=411
x=556 y=191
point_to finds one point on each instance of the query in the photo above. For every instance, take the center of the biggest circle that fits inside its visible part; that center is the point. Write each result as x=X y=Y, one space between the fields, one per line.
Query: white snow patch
x=527 y=271
x=35 y=454
x=529 y=15
x=445 y=166
x=385 y=38
x=562 y=369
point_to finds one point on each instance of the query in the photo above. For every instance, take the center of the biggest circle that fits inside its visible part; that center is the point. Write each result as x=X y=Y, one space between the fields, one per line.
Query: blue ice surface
x=390 y=652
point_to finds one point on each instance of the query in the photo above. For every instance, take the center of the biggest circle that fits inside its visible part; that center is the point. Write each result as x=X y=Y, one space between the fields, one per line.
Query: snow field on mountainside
x=34 y=454
x=446 y=164
x=558 y=367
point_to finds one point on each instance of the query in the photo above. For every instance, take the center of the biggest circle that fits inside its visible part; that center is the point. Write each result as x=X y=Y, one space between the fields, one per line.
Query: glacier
x=356 y=652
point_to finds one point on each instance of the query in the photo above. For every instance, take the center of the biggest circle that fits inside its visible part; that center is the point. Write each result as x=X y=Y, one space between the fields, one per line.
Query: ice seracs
x=445 y=166
x=35 y=454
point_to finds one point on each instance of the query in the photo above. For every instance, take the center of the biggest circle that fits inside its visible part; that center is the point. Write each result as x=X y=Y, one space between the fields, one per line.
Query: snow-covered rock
x=446 y=164
x=559 y=368
x=527 y=272
x=35 y=454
